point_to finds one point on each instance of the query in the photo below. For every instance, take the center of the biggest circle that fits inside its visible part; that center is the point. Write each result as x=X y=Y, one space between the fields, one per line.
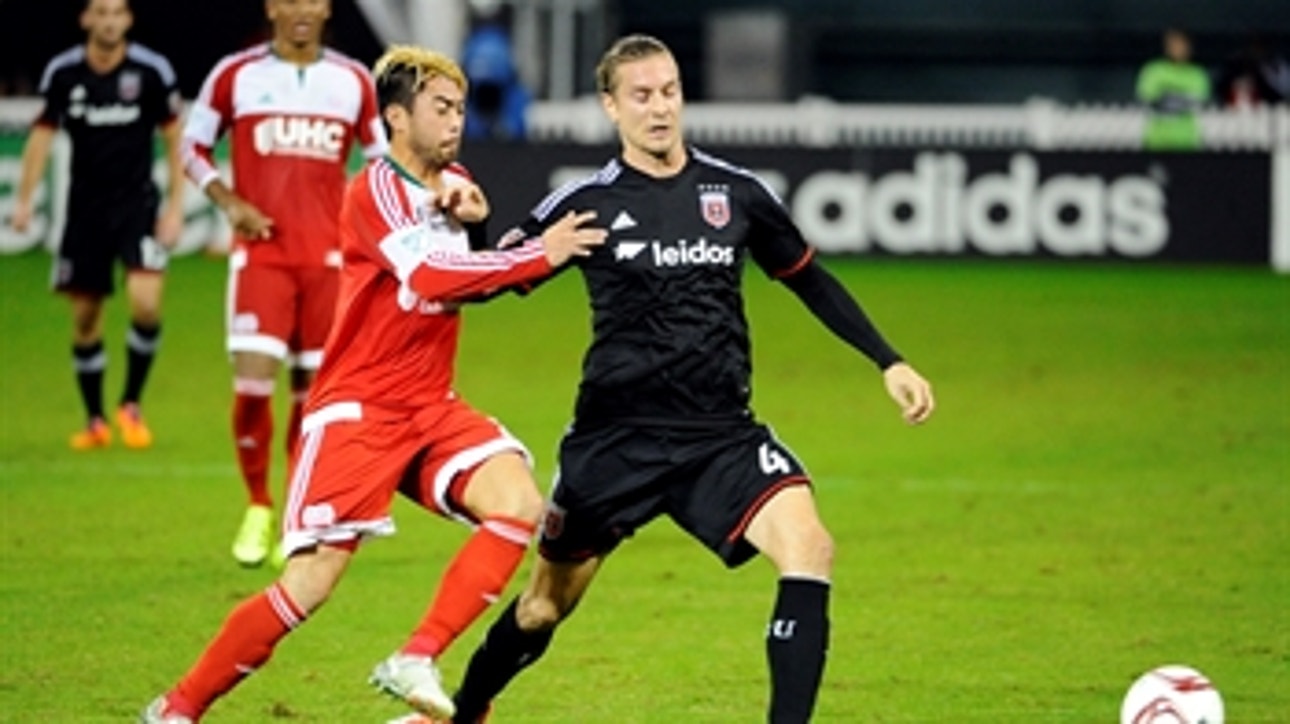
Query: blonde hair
x=403 y=70
x=625 y=50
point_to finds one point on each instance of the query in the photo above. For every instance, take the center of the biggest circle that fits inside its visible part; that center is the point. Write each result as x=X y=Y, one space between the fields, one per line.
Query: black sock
x=89 y=361
x=507 y=649
x=796 y=643
x=141 y=344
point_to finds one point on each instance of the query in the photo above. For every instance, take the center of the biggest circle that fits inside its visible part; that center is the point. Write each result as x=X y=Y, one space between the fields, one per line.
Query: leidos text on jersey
x=691 y=253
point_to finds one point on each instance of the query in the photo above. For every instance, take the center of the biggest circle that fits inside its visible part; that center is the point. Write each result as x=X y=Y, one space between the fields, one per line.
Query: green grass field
x=1104 y=488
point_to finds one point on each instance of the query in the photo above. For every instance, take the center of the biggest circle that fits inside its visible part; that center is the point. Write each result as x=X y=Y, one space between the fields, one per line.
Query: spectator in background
x=1253 y=76
x=1173 y=88
x=497 y=101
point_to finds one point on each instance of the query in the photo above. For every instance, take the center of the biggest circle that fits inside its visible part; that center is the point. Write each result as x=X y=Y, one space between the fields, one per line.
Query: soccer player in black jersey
x=111 y=96
x=662 y=424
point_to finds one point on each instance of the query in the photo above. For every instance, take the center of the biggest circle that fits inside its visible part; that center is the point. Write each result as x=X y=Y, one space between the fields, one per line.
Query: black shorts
x=614 y=479
x=95 y=239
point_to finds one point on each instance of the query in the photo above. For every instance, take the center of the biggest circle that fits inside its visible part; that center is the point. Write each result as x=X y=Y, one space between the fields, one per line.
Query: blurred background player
x=1174 y=89
x=292 y=109
x=110 y=95
x=383 y=417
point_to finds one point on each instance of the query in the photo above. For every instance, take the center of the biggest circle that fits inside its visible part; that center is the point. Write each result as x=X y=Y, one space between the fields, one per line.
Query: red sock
x=474 y=579
x=252 y=433
x=243 y=644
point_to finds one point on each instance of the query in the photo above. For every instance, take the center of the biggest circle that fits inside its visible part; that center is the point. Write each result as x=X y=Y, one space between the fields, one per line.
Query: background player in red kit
x=292 y=109
x=111 y=96
x=382 y=416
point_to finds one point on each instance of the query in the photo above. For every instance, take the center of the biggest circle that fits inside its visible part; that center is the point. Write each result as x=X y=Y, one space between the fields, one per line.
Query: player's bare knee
x=311 y=576
x=536 y=612
x=810 y=551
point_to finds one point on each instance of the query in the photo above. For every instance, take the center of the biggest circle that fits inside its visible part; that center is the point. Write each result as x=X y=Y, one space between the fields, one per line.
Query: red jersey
x=407 y=268
x=291 y=129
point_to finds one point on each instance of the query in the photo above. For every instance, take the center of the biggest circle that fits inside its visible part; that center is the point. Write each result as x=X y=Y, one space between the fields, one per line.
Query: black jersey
x=670 y=340
x=111 y=119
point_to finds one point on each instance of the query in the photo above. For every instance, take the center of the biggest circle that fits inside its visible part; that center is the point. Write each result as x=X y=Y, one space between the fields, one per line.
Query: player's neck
x=298 y=54
x=102 y=58
x=427 y=174
x=657 y=166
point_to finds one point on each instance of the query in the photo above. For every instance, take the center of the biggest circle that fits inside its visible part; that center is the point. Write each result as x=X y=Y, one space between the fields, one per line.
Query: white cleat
x=415 y=681
x=158 y=713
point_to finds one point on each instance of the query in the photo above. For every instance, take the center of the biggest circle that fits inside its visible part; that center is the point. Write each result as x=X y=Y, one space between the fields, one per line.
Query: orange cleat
x=96 y=434
x=134 y=431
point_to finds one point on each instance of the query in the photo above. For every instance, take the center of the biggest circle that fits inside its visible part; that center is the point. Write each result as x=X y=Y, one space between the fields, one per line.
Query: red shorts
x=280 y=311
x=351 y=460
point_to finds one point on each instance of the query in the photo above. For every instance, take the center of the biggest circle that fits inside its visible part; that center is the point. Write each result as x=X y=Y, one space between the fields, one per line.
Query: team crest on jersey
x=714 y=203
x=129 y=85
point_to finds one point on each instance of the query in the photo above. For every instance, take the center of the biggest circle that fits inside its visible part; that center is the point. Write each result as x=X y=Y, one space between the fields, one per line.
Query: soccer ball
x=1172 y=695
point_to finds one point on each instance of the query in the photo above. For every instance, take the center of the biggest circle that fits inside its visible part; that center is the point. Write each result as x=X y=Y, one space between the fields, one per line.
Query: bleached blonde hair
x=403 y=70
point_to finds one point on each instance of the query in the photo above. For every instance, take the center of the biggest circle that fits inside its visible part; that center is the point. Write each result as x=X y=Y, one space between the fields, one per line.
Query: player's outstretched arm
x=568 y=237
x=910 y=391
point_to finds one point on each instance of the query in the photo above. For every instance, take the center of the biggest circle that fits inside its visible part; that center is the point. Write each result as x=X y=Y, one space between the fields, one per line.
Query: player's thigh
x=261 y=307
x=343 y=478
x=318 y=288
x=610 y=481
x=736 y=474
x=135 y=245
x=84 y=264
x=787 y=529
x=471 y=466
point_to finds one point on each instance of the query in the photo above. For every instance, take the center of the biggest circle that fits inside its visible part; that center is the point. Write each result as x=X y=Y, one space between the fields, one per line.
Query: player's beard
x=107 y=41
x=436 y=156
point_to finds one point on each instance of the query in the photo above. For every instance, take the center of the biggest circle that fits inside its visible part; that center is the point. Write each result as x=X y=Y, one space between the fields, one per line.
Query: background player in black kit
x=110 y=95
x=662 y=423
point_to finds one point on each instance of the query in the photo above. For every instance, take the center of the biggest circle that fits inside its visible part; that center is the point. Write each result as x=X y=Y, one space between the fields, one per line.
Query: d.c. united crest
x=715 y=206
x=129 y=84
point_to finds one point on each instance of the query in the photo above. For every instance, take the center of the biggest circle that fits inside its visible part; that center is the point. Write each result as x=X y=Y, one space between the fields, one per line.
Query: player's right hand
x=568 y=237
x=910 y=391
x=21 y=218
x=247 y=220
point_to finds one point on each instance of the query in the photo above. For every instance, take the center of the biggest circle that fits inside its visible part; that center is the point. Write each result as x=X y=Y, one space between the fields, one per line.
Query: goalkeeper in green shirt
x=1173 y=88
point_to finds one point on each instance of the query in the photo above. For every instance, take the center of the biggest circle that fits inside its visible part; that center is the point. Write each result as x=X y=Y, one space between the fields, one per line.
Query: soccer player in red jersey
x=111 y=96
x=382 y=416
x=292 y=109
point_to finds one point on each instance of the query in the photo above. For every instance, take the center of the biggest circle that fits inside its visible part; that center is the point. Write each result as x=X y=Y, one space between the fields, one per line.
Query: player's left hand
x=910 y=391
x=169 y=226
x=466 y=204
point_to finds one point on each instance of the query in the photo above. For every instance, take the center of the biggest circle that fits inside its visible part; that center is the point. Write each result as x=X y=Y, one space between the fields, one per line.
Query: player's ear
x=610 y=106
x=396 y=118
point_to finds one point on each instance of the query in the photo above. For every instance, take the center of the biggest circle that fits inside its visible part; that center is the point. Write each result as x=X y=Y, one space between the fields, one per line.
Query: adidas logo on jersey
x=624 y=220
x=628 y=250
x=297 y=136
